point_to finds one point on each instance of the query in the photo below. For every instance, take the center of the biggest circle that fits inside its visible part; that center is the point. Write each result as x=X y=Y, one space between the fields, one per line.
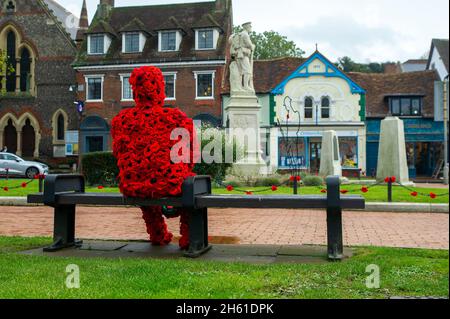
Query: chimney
x=83 y=24
x=222 y=5
x=104 y=9
x=392 y=68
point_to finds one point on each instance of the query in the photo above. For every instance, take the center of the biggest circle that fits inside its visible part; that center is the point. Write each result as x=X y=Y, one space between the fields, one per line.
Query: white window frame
x=174 y=74
x=141 y=42
x=106 y=44
x=94 y=76
x=122 y=77
x=178 y=38
x=196 y=74
x=215 y=39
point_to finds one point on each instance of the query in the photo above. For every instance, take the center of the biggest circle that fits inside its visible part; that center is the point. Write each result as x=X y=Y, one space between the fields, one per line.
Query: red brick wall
x=185 y=93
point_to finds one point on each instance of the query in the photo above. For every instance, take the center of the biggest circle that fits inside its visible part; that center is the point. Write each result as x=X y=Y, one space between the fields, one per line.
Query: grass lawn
x=404 y=272
x=376 y=194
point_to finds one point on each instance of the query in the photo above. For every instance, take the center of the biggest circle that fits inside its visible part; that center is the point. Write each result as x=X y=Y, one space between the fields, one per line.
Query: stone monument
x=243 y=109
x=330 y=159
x=392 y=159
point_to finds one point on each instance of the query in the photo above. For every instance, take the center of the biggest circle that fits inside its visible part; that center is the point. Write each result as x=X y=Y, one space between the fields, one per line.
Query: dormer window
x=96 y=44
x=169 y=41
x=132 y=42
x=406 y=106
x=206 y=39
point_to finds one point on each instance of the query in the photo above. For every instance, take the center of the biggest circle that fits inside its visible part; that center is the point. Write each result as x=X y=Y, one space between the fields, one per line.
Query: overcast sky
x=366 y=30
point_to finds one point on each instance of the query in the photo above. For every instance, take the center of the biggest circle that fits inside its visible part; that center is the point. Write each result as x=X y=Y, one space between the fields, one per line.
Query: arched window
x=25 y=70
x=308 y=108
x=325 y=109
x=61 y=128
x=11 y=52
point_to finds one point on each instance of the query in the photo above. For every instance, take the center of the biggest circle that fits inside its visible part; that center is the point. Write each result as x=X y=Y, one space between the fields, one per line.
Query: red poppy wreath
x=142 y=145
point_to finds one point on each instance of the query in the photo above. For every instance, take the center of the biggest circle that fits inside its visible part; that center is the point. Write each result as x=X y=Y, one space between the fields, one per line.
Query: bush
x=313 y=181
x=217 y=171
x=100 y=168
x=268 y=181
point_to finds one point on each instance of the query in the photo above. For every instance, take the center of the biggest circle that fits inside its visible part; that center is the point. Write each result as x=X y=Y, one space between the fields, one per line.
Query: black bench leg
x=64 y=229
x=198 y=233
x=334 y=229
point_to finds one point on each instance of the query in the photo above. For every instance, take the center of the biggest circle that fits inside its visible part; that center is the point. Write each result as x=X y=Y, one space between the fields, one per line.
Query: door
x=372 y=158
x=315 y=149
x=10 y=137
x=94 y=144
x=28 y=140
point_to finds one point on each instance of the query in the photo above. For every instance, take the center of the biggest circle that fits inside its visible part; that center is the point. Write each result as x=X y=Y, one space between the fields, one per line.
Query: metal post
x=41 y=183
x=295 y=185
x=198 y=233
x=389 y=191
x=446 y=165
x=334 y=220
x=63 y=229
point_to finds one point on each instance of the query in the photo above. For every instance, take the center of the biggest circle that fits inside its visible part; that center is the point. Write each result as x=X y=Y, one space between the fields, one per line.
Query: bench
x=65 y=192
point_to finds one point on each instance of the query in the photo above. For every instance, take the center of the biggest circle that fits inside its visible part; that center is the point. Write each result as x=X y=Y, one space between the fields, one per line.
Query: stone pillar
x=244 y=125
x=19 y=143
x=392 y=160
x=2 y=133
x=36 y=144
x=18 y=77
x=330 y=159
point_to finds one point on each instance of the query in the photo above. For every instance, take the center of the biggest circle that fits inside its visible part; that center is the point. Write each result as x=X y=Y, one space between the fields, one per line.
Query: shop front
x=424 y=145
x=302 y=150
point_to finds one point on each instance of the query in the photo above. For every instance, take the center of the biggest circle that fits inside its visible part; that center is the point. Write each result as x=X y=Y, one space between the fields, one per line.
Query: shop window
x=348 y=149
x=308 y=108
x=325 y=108
x=292 y=153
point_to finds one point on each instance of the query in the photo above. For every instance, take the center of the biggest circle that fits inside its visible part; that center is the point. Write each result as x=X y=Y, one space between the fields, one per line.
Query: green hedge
x=100 y=168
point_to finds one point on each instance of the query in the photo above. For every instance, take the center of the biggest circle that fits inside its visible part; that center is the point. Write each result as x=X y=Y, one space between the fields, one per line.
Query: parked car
x=20 y=167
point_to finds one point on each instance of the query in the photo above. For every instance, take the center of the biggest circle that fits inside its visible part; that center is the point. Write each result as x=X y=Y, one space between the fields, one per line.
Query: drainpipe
x=446 y=164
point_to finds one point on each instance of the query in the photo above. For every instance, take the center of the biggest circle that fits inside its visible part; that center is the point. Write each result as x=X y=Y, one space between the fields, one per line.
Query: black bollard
x=389 y=189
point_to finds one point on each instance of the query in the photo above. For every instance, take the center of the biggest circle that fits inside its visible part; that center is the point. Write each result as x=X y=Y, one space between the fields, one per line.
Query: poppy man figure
x=143 y=140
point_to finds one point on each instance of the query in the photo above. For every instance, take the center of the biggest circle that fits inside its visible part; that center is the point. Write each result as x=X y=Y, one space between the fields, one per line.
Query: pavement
x=245 y=226
x=254 y=254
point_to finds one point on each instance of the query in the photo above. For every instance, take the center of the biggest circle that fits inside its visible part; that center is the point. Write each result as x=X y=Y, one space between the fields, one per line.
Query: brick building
x=36 y=107
x=187 y=41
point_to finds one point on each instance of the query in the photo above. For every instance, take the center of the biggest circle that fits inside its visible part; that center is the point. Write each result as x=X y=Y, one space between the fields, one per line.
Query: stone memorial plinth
x=392 y=160
x=330 y=159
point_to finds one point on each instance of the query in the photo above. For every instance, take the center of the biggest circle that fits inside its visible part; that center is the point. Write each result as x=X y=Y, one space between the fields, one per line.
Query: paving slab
x=258 y=254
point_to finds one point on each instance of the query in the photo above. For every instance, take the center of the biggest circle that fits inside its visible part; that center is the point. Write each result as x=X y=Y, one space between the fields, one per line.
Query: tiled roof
x=184 y=16
x=379 y=86
x=269 y=73
x=442 y=46
x=64 y=16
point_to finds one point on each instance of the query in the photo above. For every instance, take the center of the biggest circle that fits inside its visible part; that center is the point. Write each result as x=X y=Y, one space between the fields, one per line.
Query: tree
x=348 y=65
x=5 y=69
x=271 y=45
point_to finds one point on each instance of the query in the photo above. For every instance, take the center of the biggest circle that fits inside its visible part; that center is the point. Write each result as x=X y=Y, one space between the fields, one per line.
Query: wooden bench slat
x=283 y=202
x=206 y=201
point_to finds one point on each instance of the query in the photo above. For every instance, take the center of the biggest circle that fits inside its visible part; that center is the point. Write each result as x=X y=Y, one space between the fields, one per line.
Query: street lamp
x=80 y=110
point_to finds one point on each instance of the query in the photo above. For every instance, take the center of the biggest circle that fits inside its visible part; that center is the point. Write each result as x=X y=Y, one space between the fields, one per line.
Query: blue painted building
x=411 y=97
